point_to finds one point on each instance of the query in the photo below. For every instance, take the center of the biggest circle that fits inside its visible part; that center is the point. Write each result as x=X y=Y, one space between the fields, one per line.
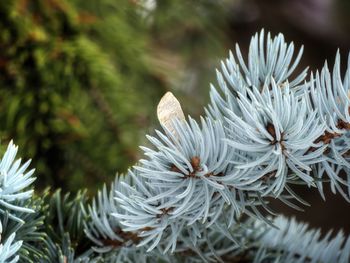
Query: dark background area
x=80 y=80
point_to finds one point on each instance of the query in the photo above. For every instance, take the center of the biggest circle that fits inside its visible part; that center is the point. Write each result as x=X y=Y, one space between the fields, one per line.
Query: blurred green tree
x=75 y=87
x=79 y=79
x=188 y=39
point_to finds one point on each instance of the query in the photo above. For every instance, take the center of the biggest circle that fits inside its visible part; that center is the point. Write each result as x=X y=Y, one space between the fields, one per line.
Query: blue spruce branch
x=201 y=192
x=263 y=133
x=14 y=192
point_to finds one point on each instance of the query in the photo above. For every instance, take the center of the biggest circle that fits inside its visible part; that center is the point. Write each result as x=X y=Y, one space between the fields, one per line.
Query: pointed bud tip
x=169 y=109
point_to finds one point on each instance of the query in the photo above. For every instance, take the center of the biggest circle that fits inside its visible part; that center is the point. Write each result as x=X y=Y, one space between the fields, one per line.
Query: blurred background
x=80 y=79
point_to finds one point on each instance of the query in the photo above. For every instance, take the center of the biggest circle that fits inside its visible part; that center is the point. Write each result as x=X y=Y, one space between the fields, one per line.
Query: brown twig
x=196 y=165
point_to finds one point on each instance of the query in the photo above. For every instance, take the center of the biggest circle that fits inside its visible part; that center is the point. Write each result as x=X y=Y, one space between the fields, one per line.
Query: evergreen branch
x=295 y=242
x=13 y=182
x=198 y=194
x=264 y=134
x=9 y=248
x=15 y=206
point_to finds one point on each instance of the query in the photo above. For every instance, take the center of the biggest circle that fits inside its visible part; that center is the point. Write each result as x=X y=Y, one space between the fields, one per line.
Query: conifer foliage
x=201 y=192
x=62 y=67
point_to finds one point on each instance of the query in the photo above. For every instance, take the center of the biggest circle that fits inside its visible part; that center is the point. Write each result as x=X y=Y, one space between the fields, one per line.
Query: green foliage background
x=80 y=80
x=74 y=88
